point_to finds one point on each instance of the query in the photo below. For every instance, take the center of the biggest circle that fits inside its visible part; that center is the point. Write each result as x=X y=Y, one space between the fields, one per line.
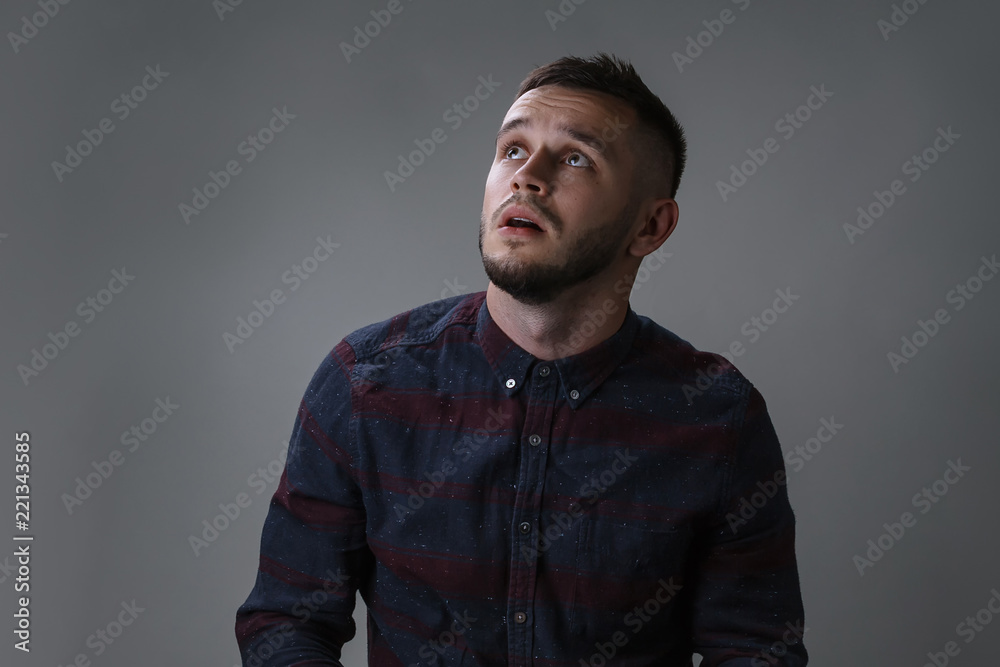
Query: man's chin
x=528 y=292
x=528 y=297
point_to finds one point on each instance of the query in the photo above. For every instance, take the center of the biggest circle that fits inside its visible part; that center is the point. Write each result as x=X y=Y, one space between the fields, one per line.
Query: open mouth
x=522 y=223
x=520 y=219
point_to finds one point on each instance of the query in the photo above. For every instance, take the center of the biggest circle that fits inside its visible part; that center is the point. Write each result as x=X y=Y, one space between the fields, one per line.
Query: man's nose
x=532 y=177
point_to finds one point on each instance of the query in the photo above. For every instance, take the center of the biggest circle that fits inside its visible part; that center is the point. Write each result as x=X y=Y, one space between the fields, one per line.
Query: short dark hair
x=659 y=141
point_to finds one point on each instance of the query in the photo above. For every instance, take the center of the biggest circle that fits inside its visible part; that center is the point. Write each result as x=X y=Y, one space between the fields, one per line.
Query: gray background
x=323 y=176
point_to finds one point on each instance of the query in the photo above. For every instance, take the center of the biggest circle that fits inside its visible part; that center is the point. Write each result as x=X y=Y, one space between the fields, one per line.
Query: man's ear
x=659 y=221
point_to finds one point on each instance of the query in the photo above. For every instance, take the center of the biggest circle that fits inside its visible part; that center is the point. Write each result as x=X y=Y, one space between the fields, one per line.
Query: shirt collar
x=580 y=374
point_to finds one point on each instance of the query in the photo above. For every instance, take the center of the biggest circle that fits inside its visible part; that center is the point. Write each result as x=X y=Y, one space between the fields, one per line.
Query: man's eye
x=577 y=160
x=509 y=150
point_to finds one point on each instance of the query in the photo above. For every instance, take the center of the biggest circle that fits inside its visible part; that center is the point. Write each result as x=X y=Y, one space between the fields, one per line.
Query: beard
x=537 y=283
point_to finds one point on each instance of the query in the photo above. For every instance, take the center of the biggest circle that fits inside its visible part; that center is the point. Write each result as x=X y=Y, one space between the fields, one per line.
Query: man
x=535 y=474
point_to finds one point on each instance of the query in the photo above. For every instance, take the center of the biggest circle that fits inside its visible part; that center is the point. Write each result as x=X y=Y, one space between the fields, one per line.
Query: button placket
x=540 y=397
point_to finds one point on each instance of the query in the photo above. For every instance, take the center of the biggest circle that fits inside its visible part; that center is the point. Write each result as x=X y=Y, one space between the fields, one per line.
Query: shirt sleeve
x=313 y=552
x=747 y=602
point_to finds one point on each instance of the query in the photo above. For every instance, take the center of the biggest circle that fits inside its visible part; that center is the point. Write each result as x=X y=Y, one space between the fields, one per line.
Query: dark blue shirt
x=625 y=505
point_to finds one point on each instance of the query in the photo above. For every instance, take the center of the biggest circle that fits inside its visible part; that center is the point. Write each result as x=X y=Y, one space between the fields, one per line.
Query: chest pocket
x=628 y=576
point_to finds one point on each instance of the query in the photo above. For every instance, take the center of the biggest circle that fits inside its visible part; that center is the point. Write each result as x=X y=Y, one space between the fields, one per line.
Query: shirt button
x=543 y=371
x=520 y=617
x=535 y=440
x=525 y=527
x=511 y=382
x=574 y=394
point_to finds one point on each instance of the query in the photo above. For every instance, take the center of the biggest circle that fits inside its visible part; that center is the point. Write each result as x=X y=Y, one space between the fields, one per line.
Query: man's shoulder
x=420 y=325
x=698 y=372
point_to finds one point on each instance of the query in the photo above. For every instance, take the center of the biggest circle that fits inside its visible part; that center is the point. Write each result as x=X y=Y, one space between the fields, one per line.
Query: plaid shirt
x=624 y=506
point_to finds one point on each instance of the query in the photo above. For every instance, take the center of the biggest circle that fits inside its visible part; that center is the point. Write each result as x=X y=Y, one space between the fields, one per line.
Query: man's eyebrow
x=583 y=137
x=512 y=125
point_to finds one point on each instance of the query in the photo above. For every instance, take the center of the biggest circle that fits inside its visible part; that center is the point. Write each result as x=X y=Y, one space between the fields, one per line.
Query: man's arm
x=747 y=602
x=313 y=554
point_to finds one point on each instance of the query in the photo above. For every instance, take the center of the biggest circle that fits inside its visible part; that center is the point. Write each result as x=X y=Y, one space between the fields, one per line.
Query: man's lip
x=518 y=211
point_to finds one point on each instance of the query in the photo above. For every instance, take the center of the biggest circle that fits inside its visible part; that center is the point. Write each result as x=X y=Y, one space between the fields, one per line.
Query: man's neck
x=572 y=323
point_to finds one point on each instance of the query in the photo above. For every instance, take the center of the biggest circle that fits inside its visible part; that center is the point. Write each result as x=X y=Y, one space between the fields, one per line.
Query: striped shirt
x=625 y=505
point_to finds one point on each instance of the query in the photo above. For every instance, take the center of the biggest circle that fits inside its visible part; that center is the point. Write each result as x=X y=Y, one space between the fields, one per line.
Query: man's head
x=588 y=153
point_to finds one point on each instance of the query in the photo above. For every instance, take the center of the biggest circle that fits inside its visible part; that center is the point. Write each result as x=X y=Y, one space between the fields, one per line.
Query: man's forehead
x=573 y=102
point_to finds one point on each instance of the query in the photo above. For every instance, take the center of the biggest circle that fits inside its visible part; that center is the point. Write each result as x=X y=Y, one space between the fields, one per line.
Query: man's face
x=564 y=159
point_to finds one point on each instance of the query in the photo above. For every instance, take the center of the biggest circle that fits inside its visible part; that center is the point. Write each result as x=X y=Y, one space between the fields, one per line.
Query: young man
x=535 y=474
